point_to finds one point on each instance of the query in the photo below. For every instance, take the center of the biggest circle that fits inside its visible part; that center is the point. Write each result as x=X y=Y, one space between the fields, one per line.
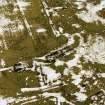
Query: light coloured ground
x=63 y=43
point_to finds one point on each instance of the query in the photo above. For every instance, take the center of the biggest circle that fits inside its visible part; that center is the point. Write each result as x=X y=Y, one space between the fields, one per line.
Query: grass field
x=63 y=44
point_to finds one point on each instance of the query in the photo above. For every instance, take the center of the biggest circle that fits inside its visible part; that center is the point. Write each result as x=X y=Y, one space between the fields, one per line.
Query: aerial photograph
x=52 y=52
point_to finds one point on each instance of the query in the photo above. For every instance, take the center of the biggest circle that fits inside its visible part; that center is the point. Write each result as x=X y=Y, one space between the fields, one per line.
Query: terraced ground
x=62 y=42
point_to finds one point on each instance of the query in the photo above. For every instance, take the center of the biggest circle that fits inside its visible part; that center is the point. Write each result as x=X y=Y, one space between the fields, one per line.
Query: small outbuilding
x=20 y=66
